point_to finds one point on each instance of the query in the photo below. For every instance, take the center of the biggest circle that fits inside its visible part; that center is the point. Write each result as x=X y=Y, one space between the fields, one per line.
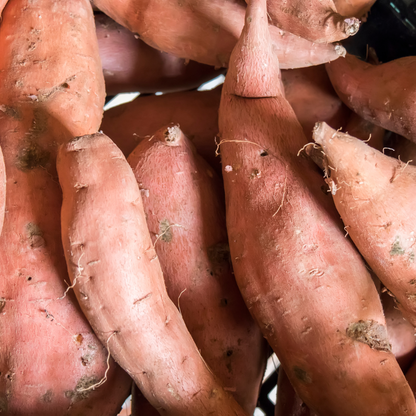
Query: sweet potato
x=357 y=8
x=119 y=283
x=129 y=64
x=196 y=112
x=313 y=99
x=383 y=94
x=51 y=88
x=183 y=203
x=207 y=31
x=303 y=281
x=316 y=20
x=373 y=194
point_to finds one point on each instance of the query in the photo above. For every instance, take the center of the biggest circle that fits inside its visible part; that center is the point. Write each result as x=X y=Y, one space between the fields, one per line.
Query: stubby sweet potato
x=382 y=94
x=129 y=64
x=374 y=194
x=316 y=20
x=185 y=213
x=303 y=281
x=313 y=99
x=207 y=31
x=196 y=112
x=51 y=88
x=119 y=283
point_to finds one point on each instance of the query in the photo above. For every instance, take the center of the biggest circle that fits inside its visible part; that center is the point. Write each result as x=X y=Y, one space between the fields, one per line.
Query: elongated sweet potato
x=129 y=64
x=196 y=112
x=302 y=280
x=313 y=99
x=51 y=88
x=119 y=283
x=207 y=31
x=374 y=195
x=185 y=213
x=316 y=20
x=383 y=94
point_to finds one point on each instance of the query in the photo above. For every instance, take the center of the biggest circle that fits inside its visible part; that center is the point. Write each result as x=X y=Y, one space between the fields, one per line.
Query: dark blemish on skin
x=31 y=156
x=11 y=112
x=79 y=393
x=223 y=302
x=34 y=235
x=47 y=397
x=396 y=248
x=4 y=405
x=264 y=153
x=165 y=231
x=2 y=304
x=229 y=353
x=371 y=333
x=302 y=375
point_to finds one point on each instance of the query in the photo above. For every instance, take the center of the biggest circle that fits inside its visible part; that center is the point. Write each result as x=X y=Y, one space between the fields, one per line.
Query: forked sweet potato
x=374 y=194
x=119 y=283
x=185 y=213
x=303 y=281
x=51 y=88
x=316 y=20
x=383 y=94
x=129 y=64
x=207 y=31
x=196 y=112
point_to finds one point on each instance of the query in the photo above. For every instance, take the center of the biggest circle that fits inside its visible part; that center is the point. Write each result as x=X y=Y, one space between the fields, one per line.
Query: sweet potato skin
x=357 y=8
x=285 y=237
x=173 y=27
x=196 y=112
x=109 y=251
x=48 y=352
x=382 y=94
x=129 y=64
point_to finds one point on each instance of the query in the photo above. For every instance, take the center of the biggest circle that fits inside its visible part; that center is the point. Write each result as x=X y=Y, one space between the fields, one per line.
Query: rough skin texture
x=302 y=280
x=120 y=286
x=207 y=31
x=51 y=88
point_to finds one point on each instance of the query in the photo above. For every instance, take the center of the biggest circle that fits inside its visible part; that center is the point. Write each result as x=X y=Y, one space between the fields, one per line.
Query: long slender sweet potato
x=183 y=203
x=207 y=31
x=119 y=284
x=302 y=280
x=374 y=194
x=383 y=94
x=51 y=88
x=129 y=64
x=196 y=112
x=316 y=20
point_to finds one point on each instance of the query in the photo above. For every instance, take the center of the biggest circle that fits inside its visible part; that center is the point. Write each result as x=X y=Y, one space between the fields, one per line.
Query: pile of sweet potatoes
x=166 y=247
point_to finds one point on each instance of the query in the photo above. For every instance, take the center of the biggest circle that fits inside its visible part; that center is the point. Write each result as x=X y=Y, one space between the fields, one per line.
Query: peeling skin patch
x=371 y=333
x=396 y=248
x=47 y=397
x=83 y=383
x=34 y=235
x=302 y=375
x=31 y=156
x=165 y=231
x=173 y=392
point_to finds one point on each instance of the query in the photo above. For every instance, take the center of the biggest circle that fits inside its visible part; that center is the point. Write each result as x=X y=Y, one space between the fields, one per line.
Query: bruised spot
x=371 y=333
x=302 y=375
x=396 y=248
x=229 y=353
x=165 y=231
x=80 y=392
x=31 y=156
x=34 y=235
x=47 y=397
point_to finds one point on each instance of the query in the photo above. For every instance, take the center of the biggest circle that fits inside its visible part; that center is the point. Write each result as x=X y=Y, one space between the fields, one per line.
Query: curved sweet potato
x=357 y=8
x=49 y=355
x=383 y=94
x=303 y=281
x=374 y=194
x=119 y=282
x=196 y=112
x=207 y=31
x=313 y=99
x=316 y=20
x=185 y=215
x=129 y=64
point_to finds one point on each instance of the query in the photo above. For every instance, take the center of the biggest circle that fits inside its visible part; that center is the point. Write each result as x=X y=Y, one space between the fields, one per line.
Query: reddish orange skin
x=316 y=20
x=120 y=285
x=179 y=187
x=130 y=65
x=313 y=99
x=411 y=377
x=374 y=195
x=304 y=283
x=48 y=350
x=356 y=8
x=196 y=112
x=2 y=190
x=382 y=94
x=206 y=31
